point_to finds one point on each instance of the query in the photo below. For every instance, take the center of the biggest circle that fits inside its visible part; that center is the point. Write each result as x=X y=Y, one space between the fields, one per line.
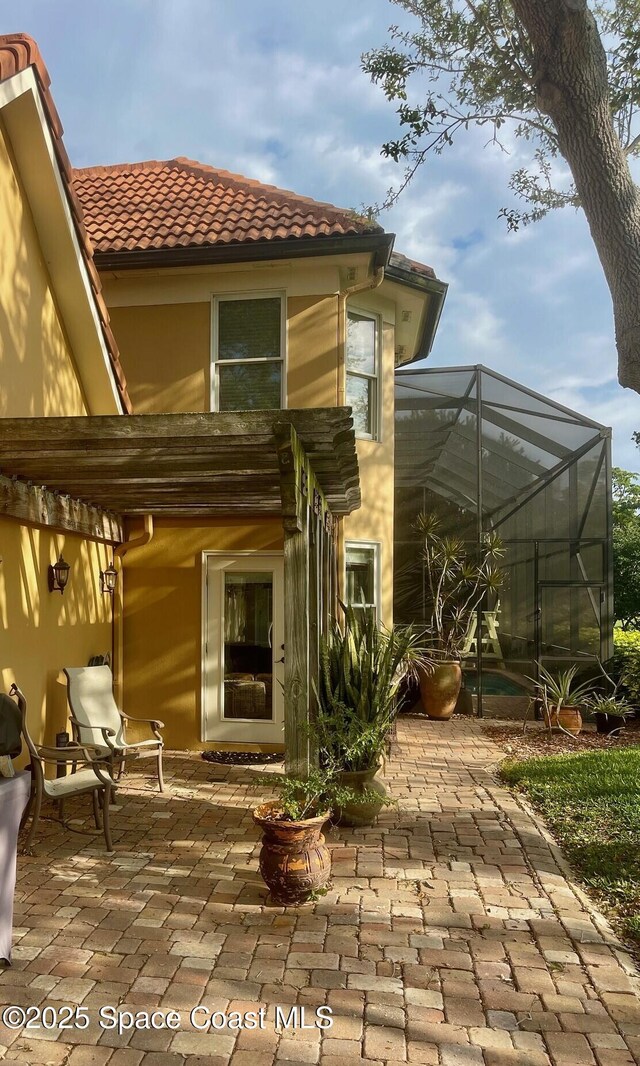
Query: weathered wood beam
x=38 y=506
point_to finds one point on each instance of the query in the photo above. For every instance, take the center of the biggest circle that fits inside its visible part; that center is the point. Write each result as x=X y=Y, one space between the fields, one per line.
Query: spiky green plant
x=362 y=667
x=560 y=690
x=458 y=574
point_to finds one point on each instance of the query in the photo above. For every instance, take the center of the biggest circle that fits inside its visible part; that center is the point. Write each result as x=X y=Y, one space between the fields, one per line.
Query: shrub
x=626 y=662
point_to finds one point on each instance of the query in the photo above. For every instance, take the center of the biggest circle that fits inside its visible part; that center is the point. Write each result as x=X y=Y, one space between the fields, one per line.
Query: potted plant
x=458 y=575
x=609 y=711
x=294 y=860
x=362 y=666
x=562 y=699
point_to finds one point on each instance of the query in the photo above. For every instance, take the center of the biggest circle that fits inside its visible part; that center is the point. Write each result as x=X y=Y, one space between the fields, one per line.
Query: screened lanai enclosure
x=484 y=453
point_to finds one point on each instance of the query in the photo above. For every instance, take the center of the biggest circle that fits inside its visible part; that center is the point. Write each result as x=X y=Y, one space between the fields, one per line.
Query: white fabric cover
x=92 y=703
x=72 y=784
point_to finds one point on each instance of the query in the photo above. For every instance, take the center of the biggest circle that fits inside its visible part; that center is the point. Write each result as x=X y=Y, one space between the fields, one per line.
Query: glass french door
x=243 y=662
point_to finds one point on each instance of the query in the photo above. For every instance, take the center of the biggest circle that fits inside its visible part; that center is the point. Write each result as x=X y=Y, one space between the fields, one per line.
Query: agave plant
x=560 y=691
x=362 y=666
x=613 y=705
x=458 y=575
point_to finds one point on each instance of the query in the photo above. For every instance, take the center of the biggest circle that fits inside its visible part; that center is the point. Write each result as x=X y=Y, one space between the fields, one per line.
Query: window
x=248 y=348
x=362 y=372
x=361 y=574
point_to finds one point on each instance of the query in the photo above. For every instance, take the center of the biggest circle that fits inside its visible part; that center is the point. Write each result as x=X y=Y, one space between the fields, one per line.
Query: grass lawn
x=591 y=803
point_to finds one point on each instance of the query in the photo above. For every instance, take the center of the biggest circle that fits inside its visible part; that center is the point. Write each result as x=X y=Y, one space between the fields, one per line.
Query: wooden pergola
x=85 y=475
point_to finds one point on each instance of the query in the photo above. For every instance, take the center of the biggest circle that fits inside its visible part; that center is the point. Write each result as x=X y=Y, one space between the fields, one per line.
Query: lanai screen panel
x=485 y=453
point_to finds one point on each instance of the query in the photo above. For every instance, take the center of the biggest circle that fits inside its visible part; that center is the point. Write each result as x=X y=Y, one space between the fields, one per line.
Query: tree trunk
x=570 y=76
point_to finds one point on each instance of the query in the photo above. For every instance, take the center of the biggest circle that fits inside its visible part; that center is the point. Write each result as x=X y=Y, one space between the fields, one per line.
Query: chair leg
x=121 y=768
x=106 y=799
x=96 y=808
x=27 y=811
x=34 y=821
x=160 y=774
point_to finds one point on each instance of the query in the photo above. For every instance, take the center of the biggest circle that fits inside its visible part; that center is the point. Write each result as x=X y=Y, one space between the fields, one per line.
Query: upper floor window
x=363 y=368
x=248 y=353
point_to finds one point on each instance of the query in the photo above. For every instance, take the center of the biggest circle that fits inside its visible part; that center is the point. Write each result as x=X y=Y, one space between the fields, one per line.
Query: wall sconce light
x=108 y=579
x=58 y=576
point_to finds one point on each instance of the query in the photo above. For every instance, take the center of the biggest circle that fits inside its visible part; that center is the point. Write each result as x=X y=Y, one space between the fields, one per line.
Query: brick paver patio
x=451 y=934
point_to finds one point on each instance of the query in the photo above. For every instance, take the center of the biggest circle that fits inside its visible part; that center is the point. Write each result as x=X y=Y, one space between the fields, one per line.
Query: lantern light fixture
x=58 y=575
x=108 y=579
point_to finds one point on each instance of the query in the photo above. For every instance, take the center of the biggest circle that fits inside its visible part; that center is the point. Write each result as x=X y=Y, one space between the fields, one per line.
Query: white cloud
x=274 y=90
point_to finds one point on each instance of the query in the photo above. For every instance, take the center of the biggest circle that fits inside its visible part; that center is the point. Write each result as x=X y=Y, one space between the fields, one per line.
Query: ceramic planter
x=608 y=723
x=440 y=689
x=567 y=717
x=294 y=860
x=353 y=813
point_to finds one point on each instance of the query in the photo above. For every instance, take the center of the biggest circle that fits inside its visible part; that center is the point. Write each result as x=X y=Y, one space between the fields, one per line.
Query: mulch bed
x=242 y=758
x=535 y=741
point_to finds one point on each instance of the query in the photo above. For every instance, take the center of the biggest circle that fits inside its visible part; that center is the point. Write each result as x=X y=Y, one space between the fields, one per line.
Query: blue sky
x=273 y=89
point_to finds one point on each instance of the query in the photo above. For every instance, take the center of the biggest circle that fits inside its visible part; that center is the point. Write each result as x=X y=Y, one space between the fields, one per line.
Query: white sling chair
x=96 y=720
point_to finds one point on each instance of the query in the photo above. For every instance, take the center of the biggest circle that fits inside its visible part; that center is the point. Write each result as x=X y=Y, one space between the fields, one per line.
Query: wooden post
x=307 y=594
x=295 y=519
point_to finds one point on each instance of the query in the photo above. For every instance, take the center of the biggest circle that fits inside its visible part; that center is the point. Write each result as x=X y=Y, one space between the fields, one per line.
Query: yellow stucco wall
x=312 y=334
x=165 y=353
x=166 y=350
x=163 y=617
x=37 y=373
x=42 y=631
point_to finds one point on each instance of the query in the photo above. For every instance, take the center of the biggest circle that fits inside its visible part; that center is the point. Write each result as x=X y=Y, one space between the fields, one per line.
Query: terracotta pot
x=354 y=814
x=440 y=690
x=567 y=717
x=294 y=860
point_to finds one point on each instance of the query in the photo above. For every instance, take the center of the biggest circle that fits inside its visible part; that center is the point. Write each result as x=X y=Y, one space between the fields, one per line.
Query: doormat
x=242 y=758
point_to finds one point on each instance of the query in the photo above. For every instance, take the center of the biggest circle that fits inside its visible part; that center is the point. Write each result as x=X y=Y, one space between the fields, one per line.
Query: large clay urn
x=567 y=717
x=440 y=688
x=294 y=860
x=355 y=813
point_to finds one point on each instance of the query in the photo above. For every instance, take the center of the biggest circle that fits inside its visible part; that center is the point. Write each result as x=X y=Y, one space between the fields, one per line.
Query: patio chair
x=93 y=776
x=96 y=720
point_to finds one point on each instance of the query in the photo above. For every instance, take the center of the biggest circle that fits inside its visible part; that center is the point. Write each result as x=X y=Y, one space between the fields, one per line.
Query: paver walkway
x=451 y=934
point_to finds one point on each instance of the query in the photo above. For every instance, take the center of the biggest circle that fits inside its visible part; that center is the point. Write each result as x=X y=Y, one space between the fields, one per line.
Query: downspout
x=341 y=387
x=118 y=604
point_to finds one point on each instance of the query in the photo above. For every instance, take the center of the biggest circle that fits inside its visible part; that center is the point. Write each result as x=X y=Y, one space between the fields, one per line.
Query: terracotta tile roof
x=411 y=266
x=17 y=52
x=180 y=203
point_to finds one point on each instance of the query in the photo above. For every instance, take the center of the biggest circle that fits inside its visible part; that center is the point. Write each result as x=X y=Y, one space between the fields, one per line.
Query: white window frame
x=375 y=377
x=211 y=711
x=223 y=297
x=376 y=547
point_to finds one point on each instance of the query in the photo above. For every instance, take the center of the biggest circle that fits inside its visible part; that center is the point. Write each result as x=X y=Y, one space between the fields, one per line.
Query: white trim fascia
x=11 y=90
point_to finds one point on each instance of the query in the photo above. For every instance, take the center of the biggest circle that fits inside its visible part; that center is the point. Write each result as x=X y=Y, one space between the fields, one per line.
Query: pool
x=496 y=683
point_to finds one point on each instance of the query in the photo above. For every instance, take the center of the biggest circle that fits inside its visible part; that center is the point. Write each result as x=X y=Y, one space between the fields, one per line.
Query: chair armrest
x=144 y=721
x=78 y=754
x=70 y=753
x=106 y=734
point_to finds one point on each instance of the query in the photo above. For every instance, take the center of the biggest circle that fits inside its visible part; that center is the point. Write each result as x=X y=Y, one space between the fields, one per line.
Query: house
x=58 y=357
x=227 y=427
